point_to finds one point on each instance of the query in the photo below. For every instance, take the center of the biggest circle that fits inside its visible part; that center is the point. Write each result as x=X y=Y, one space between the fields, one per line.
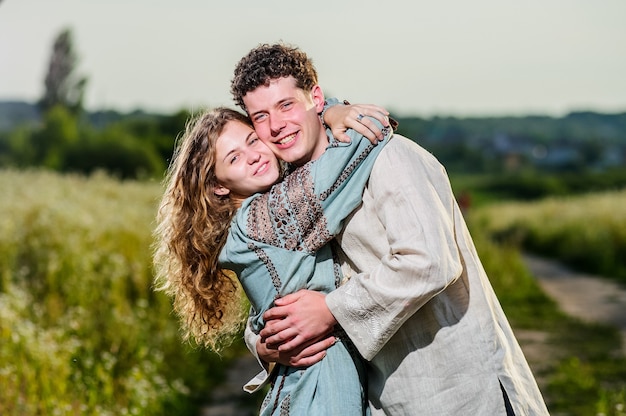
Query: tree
x=62 y=86
x=57 y=134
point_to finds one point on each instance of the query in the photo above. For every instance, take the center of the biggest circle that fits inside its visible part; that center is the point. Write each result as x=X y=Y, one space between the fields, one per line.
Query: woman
x=223 y=211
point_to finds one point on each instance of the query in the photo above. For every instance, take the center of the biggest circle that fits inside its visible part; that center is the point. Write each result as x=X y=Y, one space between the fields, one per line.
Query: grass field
x=81 y=329
x=587 y=232
x=83 y=332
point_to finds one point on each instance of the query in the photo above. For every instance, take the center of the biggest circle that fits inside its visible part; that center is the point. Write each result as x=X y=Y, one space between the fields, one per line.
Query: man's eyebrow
x=276 y=105
x=283 y=100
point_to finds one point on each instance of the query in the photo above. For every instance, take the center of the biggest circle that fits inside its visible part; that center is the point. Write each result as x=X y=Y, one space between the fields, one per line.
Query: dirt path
x=229 y=399
x=587 y=297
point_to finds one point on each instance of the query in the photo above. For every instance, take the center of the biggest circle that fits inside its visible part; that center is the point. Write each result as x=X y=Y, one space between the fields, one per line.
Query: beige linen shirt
x=418 y=304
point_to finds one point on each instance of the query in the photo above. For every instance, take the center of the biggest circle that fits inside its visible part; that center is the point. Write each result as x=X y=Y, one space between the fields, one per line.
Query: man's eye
x=259 y=118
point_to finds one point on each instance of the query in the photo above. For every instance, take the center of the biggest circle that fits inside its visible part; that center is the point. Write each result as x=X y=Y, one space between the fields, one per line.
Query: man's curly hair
x=267 y=62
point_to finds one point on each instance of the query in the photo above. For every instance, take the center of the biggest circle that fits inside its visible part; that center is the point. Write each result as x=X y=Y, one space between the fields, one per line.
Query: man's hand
x=340 y=118
x=311 y=353
x=297 y=320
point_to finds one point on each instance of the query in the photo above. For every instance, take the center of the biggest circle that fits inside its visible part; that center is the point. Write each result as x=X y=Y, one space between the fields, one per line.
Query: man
x=418 y=305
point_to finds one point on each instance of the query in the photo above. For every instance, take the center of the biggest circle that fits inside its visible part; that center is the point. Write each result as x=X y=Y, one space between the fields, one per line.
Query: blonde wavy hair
x=192 y=225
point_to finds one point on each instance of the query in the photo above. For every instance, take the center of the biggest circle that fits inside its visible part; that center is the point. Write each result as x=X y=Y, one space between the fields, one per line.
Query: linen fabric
x=418 y=304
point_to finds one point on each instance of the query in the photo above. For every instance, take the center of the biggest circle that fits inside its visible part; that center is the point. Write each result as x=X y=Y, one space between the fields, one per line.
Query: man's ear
x=318 y=98
x=220 y=190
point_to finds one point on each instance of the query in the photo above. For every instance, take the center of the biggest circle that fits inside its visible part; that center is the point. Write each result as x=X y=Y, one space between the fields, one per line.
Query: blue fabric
x=278 y=244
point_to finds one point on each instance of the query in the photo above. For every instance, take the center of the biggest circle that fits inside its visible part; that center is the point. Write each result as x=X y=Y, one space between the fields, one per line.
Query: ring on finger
x=359 y=117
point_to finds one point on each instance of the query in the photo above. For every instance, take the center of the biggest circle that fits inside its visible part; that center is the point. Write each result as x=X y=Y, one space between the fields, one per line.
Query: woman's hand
x=303 y=356
x=340 y=118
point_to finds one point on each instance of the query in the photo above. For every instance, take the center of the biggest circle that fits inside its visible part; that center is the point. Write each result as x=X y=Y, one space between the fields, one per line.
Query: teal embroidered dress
x=278 y=244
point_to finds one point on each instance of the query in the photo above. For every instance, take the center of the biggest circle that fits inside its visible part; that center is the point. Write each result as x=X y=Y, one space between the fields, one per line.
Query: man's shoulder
x=401 y=148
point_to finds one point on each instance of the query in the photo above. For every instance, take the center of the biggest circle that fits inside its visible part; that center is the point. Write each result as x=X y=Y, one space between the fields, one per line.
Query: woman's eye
x=234 y=159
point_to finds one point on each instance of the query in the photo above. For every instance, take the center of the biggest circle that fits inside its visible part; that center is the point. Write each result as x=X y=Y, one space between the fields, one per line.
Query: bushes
x=64 y=143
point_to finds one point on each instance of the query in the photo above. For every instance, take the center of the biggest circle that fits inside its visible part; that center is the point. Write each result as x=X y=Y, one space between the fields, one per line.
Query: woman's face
x=243 y=164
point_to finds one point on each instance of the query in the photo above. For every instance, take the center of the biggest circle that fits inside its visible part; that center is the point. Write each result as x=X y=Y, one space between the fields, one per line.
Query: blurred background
x=524 y=104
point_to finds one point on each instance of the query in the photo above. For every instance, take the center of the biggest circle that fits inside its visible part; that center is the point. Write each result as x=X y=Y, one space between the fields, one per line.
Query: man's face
x=286 y=119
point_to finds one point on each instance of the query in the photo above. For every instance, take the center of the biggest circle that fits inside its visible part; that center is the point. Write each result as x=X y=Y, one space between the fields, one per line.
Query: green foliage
x=533 y=185
x=81 y=329
x=524 y=302
x=59 y=131
x=115 y=151
x=588 y=376
x=62 y=143
x=588 y=232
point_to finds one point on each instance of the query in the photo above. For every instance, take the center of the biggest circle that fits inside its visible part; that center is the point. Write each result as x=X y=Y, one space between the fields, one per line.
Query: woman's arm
x=339 y=117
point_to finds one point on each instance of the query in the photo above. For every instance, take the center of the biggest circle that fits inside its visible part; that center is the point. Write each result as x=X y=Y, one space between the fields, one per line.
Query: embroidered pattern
x=284 y=406
x=372 y=316
x=347 y=172
x=336 y=264
x=290 y=215
x=266 y=401
x=262 y=255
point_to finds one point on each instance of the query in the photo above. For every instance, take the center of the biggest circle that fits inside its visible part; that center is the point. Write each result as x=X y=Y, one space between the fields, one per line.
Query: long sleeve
x=417 y=253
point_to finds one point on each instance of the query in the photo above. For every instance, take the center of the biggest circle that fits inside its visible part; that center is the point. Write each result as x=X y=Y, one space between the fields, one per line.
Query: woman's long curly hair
x=192 y=225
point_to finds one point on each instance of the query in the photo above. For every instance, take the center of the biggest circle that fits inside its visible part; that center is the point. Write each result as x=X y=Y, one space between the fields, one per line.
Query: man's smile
x=287 y=140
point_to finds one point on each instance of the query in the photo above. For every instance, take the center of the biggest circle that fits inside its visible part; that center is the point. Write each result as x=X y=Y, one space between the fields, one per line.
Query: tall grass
x=81 y=329
x=587 y=232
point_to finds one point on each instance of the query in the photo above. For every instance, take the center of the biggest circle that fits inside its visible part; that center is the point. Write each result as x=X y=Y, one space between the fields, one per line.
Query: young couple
x=367 y=294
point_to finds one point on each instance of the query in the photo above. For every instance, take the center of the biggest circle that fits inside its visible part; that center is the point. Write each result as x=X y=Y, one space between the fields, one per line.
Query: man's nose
x=277 y=124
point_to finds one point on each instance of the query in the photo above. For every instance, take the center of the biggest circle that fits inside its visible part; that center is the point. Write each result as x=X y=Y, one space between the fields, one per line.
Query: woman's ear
x=220 y=190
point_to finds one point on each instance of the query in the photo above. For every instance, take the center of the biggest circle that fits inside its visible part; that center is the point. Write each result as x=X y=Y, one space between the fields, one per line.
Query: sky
x=423 y=58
